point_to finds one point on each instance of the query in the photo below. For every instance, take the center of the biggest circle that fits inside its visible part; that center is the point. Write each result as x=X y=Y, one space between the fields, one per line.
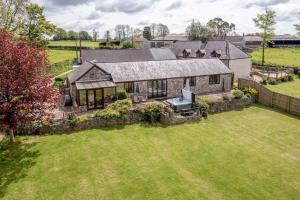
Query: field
x=68 y=43
x=56 y=56
x=288 y=88
x=249 y=154
x=279 y=56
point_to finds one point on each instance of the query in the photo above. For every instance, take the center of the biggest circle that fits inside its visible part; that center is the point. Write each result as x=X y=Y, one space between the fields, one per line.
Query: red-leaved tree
x=26 y=94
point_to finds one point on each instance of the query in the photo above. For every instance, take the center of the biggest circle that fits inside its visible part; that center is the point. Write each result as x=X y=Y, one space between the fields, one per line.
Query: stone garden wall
x=167 y=118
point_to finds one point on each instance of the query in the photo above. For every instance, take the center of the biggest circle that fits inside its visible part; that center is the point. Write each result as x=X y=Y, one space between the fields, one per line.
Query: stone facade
x=94 y=74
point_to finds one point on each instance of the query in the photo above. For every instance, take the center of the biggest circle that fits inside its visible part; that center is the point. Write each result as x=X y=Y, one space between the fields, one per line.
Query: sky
x=103 y=15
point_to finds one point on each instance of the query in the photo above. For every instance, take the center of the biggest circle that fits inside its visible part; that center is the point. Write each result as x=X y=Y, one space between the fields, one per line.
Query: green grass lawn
x=56 y=56
x=288 y=88
x=90 y=44
x=279 y=56
x=248 y=154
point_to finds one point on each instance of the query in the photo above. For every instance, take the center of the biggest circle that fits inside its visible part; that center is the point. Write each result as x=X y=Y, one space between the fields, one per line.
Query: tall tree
x=83 y=35
x=147 y=33
x=163 y=30
x=95 y=35
x=26 y=94
x=297 y=27
x=72 y=35
x=220 y=28
x=196 y=31
x=138 y=32
x=265 y=22
x=60 y=34
x=107 y=36
x=12 y=14
x=35 y=26
x=123 y=32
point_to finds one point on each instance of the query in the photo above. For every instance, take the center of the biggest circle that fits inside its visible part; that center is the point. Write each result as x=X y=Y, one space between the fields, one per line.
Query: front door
x=99 y=98
x=91 y=99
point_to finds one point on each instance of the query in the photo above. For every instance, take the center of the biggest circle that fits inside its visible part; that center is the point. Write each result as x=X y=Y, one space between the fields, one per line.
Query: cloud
x=176 y=4
x=69 y=2
x=265 y=3
x=125 y=6
x=93 y=16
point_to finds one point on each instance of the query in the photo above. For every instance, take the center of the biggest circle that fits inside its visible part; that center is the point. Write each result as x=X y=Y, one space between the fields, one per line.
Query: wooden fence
x=273 y=99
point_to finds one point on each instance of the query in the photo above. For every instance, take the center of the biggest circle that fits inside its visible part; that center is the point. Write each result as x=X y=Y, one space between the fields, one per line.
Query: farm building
x=234 y=58
x=277 y=41
x=94 y=84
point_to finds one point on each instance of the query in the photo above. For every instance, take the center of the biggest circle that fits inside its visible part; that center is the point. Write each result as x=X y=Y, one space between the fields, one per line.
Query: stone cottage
x=94 y=84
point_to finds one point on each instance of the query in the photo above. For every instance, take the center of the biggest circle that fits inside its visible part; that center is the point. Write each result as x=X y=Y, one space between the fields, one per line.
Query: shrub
x=203 y=107
x=299 y=74
x=115 y=110
x=122 y=94
x=238 y=94
x=59 y=79
x=250 y=91
x=273 y=82
x=72 y=120
x=122 y=106
x=264 y=81
x=152 y=111
x=284 y=79
x=290 y=77
x=108 y=113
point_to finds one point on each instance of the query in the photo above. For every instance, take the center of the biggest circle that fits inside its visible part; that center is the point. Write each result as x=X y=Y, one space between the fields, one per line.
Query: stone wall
x=61 y=126
x=229 y=105
x=167 y=118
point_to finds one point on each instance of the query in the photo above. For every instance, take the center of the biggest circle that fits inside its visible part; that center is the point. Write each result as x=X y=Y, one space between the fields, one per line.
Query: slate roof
x=126 y=55
x=151 y=70
x=80 y=71
x=228 y=50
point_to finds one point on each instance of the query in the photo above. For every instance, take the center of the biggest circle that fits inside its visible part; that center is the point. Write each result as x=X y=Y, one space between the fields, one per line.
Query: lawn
x=56 y=56
x=68 y=43
x=288 y=88
x=279 y=56
x=248 y=154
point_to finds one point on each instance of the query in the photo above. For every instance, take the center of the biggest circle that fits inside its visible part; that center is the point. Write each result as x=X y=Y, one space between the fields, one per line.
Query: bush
x=72 y=120
x=108 y=113
x=59 y=79
x=238 y=94
x=122 y=94
x=290 y=77
x=264 y=81
x=284 y=79
x=299 y=74
x=127 y=45
x=273 y=82
x=121 y=106
x=116 y=110
x=203 y=107
x=250 y=91
x=152 y=111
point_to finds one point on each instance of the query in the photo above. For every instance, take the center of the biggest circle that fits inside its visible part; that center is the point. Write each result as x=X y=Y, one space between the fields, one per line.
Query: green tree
x=72 y=35
x=297 y=26
x=95 y=35
x=35 y=26
x=219 y=27
x=61 y=34
x=163 y=30
x=12 y=14
x=83 y=35
x=147 y=33
x=265 y=22
x=196 y=31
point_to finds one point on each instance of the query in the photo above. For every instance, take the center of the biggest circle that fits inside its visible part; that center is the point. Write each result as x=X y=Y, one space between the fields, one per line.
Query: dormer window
x=186 y=53
x=216 y=53
x=201 y=53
